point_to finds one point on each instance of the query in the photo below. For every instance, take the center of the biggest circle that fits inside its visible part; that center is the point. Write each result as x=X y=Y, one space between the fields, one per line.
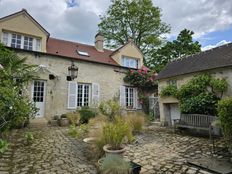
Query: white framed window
x=83 y=94
x=28 y=43
x=37 y=44
x=16 y=41
x=172 y=82
x=129 y=62
x=5 y=38
x=21 y=41
x=130 y=97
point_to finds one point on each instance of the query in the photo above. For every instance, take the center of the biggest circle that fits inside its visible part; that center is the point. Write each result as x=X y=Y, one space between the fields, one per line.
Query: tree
x=173 y=50
x=15 y=106
x=138 y=20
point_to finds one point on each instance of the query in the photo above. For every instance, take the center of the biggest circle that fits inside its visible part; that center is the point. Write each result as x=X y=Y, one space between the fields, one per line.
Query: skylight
x=82 y=53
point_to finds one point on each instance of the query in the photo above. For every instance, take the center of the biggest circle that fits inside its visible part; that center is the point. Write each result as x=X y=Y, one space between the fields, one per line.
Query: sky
x=76 y=20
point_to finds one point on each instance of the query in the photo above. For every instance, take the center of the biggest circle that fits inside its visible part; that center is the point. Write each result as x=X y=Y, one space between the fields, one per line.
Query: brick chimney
x=99 y=39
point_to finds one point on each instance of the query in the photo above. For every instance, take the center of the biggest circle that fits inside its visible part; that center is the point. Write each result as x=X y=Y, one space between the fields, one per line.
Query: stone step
x=156 y=123
x=38 y=122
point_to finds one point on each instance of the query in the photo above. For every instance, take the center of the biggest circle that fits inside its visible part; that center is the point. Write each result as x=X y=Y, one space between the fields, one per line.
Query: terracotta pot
x=108 y=150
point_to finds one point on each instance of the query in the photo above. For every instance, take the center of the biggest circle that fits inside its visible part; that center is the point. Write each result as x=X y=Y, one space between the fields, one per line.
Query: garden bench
x=194 y=121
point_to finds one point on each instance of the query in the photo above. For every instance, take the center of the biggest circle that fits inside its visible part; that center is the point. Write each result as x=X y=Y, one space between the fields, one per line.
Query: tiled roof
x=69 y=49
x=215 y=58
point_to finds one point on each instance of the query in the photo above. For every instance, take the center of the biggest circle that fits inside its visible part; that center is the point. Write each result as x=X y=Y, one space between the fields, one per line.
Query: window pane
x=5 y=38
x=83 y=95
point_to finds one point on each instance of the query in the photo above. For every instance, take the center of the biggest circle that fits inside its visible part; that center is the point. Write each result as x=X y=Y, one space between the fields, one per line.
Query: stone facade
x=109 y=78
x=165 y=102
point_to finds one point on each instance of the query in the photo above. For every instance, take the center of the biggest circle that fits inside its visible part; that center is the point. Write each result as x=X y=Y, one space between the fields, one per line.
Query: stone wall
x=110 y=78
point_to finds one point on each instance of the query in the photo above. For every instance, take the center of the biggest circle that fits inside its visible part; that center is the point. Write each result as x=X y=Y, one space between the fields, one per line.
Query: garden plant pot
x=64 y=122
x=108 y=150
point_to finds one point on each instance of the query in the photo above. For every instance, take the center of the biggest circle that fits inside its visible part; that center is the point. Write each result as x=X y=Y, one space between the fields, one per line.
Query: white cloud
x=79 y=22
x=201 y=16
x=208 y=47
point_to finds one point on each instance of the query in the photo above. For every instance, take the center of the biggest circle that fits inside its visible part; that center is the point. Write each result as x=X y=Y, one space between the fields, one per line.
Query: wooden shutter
x=72 y=95
x=95 y=94
x=122 y=96
x=139 y=105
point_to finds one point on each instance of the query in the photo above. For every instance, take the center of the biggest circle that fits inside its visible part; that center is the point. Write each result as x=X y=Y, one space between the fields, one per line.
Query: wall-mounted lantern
x=72 y=72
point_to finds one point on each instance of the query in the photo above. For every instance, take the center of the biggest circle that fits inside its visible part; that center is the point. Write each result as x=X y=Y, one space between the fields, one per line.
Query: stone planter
x=64 y=122
x=54 y=122
x=108 y=150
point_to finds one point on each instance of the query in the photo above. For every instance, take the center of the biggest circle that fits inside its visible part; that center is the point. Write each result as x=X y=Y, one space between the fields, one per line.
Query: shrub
x=73 y=117
x=110 y=109
x=136 y=121
x=113 y=164
x=15 y=106
x=170 y=90
x=225 y=116
x=29 y=137
x=3 y=145
x=115 y=133
x=78 y=132
x=85 y=114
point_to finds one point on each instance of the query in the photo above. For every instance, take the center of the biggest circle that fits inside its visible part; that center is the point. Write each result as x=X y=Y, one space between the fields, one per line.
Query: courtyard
x=157 y=150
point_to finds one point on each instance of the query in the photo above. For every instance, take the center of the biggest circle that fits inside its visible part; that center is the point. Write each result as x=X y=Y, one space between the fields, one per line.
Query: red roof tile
x=69 y=49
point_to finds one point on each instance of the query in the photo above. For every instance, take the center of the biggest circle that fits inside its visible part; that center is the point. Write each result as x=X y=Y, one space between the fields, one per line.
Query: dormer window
x=82 y=53
x=21 y=41
x=130 y=62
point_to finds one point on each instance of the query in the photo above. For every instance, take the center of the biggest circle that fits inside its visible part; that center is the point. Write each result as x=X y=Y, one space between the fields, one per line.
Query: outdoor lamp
x=72 y=72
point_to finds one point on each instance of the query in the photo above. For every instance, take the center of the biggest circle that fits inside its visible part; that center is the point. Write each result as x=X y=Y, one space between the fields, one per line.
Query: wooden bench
x=194 y=121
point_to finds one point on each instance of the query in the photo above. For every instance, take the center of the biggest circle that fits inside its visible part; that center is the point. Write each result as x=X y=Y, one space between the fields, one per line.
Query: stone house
x=217 y=62
x=100 y=71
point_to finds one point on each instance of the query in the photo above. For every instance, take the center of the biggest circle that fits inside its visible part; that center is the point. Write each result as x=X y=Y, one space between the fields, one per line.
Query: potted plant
x=115 y=134
x=63 y=121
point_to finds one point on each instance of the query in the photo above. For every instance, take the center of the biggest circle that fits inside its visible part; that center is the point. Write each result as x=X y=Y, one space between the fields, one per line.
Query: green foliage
x=136 y=121
x=138 y=20
x=225 y=117
x=110 y=109
x=204 y=103
x=29 y=137
x=199 y=95
x=73 y=117
x=115 y=133
x=113 y=164
x=3 y=146
x=143 y=79
x=173 y=50
x=15 y=105
x=170 y=90
x=85 y=114
x=78 y=132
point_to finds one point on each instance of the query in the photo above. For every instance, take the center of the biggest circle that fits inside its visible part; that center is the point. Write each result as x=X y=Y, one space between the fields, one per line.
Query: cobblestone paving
x=158 y=151
x=162 y=152
x=51 y=152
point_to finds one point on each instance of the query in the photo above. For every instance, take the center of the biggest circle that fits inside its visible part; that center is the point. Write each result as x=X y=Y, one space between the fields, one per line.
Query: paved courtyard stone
x=52 y=151
x=162 y=151
x=157 y=150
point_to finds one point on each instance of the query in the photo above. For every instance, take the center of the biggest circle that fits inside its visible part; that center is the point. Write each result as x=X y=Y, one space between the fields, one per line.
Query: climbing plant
x=145 y=81
x=199 y=95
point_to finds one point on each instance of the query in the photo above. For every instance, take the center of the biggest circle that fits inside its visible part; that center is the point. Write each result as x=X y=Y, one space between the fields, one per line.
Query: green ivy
x=225 y=115
x=170 y=90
